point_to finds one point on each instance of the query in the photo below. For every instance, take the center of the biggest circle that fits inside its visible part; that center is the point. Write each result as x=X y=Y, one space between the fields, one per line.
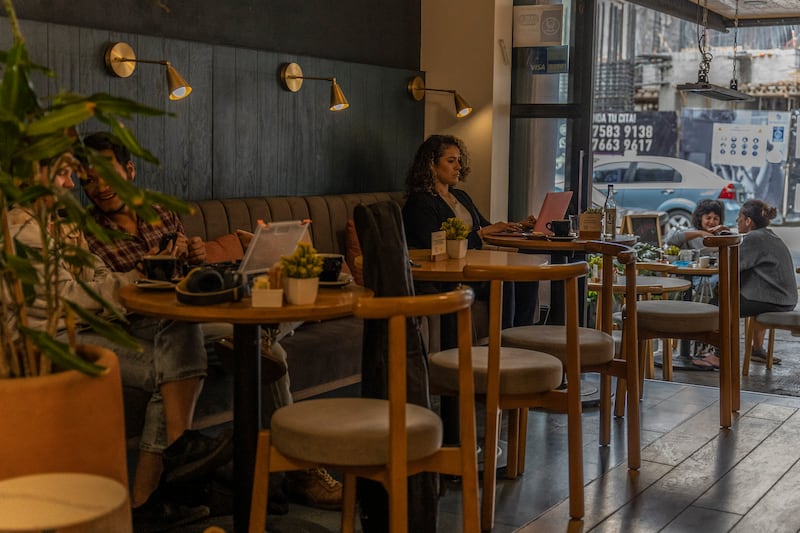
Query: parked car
x=666 y=184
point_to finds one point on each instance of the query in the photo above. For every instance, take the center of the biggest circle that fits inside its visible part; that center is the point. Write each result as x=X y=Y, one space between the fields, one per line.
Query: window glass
x=655 y=173
x=611 y=173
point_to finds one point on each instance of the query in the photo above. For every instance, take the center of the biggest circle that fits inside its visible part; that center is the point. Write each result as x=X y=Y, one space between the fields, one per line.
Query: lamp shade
x=338 y=101
x=462 y=107
x=178 y=88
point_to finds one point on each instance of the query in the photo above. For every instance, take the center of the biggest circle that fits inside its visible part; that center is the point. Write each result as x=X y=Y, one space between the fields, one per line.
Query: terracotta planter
x=456 y=249
x=65 y=422
x=300 y=291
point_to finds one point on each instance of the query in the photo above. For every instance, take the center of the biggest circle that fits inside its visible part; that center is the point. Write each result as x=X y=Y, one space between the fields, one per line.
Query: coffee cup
x=704 y=261
x=560 y=227
x=161 y=267
x=331 y=267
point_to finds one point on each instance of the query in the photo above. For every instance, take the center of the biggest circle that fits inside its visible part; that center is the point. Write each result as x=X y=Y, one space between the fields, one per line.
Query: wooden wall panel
x=240 y=133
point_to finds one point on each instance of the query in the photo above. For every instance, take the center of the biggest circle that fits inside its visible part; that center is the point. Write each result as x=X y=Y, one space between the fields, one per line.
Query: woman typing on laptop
x=441 y=162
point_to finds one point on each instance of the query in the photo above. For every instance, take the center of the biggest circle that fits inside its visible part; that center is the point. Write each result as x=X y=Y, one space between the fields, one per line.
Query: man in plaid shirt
x=172 y=367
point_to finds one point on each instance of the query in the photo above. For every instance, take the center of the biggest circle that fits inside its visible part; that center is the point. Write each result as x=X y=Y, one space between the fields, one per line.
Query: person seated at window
x=766 y=268
x=706 y=221
x=441 y=162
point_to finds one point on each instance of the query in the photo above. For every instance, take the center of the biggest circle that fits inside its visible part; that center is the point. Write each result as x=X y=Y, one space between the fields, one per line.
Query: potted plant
x=63 y=400
x=300 y=274
x=671 y=253
x=590 y=223
x=456 y=236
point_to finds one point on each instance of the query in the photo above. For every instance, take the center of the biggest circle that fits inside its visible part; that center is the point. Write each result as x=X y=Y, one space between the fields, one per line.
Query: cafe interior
x=294 y=110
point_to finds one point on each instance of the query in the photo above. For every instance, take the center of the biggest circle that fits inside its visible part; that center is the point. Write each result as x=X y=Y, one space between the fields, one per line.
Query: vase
x=300 y=291
x=457 y=249
x=65 y=422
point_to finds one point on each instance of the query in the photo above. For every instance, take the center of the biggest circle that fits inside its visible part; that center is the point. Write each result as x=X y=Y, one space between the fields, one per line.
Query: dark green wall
x=382 y=32
x=240 y=133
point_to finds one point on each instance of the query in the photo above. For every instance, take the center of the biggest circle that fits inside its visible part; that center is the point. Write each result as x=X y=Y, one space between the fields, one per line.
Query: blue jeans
x=171 y=351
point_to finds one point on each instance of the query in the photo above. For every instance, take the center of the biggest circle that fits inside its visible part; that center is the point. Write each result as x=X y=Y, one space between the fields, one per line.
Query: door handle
x=666 y=192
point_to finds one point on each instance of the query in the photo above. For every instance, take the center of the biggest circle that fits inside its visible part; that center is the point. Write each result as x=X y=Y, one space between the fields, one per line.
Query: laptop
x=271 y=241
x=554 y=207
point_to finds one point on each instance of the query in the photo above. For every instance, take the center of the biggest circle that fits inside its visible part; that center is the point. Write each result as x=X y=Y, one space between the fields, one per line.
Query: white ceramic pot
x=457 y=249
x=300 y=291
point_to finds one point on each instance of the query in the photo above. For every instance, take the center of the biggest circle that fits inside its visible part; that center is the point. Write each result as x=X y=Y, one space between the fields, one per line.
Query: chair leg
x=619 y=401
x=490 y=462
x=514 y=433
x=644 y=347
x=349 y=503
x=749 y=323
x=258 y=502
x=522 y=441
x=605 y=409
x=666 y=359
x=651 y=359
x=771 y=347
x=575 y=446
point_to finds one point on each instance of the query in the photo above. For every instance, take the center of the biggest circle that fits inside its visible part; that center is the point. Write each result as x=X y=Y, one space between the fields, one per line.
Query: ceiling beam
x=687 y=11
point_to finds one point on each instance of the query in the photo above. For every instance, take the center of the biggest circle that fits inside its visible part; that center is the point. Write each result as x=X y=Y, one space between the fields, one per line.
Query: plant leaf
x=105 y=328
x=61 y=353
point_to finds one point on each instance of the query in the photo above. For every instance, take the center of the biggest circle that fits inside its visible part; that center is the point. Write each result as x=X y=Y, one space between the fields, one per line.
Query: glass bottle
x=610 y=214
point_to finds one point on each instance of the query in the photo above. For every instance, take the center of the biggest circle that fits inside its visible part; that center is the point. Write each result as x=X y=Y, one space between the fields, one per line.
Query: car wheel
x=679 y=220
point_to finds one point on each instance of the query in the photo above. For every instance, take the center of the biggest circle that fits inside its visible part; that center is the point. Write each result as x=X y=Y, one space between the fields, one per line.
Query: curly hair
x=421 y=177
x=759 y=212
x=705 y=207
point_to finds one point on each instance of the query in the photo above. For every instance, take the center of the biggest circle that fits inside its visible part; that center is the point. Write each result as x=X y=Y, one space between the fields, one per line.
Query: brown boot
x=315 y=488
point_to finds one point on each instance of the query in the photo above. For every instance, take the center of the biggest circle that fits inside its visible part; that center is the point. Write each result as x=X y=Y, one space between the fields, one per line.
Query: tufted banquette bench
x=323 y=355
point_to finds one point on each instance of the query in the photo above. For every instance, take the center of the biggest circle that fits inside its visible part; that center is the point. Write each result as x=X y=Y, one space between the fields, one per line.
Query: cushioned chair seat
x=350 y=431
x=597 y=347
x=782 y=320
x=521 y=371
x=677 y=316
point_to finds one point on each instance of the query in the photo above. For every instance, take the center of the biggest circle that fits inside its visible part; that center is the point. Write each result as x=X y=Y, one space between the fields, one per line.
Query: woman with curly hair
x=767 y=277
x=441 y=162
x=706 y=221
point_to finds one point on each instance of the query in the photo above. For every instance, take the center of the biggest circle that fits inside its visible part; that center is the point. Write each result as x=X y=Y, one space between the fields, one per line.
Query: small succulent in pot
x=303 y=263
x=455 y=229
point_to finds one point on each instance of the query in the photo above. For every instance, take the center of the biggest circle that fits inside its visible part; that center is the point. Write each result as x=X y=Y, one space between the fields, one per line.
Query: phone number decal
x=646 y=133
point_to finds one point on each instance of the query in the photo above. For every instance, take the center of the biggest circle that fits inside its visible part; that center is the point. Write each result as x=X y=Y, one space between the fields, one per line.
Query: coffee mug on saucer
x=161 y=267
x=331 y=267
x=559 y=227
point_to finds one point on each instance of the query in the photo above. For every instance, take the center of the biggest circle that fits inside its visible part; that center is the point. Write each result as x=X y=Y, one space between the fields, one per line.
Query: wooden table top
x=647 y=284
x=695 y=271
x=423 y=269
x=330 y=303
x=547 y=245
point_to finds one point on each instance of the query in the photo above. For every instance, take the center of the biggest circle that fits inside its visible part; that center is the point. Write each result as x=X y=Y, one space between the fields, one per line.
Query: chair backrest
x=397 y=310
x=626 y=256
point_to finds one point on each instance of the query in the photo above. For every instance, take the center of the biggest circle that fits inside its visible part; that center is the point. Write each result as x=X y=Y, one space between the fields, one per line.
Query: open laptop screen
x=554 y=207
x=270 y=242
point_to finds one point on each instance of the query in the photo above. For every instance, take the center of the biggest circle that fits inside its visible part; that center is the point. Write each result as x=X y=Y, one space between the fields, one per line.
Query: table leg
x=246 y=417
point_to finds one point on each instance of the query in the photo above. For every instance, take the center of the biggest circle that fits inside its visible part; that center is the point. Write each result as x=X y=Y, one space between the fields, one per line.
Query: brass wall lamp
x=292 y=79
x=416 y=88
x=121 y=62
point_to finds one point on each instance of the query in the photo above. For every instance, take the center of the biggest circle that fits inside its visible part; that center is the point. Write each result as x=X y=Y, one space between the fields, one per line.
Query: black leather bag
x=210 y=285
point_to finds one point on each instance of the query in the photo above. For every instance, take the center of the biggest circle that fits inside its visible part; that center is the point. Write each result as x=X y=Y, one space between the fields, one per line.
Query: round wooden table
x=246 y=320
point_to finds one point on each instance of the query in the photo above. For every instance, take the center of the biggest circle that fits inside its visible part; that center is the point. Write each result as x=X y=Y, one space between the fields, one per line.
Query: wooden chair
x=648 y=361
x=788 y=320
x=514 y=379
x=382 y=440
x=719 y=326
x=599 y=353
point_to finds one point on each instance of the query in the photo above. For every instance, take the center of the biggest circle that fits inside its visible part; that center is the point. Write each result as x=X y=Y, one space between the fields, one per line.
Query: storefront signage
x=643 y=132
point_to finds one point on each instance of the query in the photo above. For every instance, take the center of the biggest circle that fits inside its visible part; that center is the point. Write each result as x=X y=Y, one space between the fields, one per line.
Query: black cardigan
x=424 y=212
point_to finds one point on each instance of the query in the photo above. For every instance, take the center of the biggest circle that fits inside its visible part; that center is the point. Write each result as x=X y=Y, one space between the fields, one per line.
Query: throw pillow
x=352 y=252
x=224 y=249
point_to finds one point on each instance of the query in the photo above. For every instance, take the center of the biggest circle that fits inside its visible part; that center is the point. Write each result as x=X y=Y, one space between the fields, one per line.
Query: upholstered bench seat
x=521 y=371
x=677 y=315
x=358 y=436
x=782 y=320
x=597 y=348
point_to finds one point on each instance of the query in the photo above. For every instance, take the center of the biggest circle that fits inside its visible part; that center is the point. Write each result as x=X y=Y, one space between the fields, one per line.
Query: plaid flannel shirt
x=122 y=255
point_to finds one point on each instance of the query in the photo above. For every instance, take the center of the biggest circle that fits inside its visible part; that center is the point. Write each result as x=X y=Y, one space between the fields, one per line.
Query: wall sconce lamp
x=292 y=79
x=121 y=62
x=416 y=88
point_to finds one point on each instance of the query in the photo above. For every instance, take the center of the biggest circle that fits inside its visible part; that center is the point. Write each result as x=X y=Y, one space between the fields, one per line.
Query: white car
x=666 y=184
